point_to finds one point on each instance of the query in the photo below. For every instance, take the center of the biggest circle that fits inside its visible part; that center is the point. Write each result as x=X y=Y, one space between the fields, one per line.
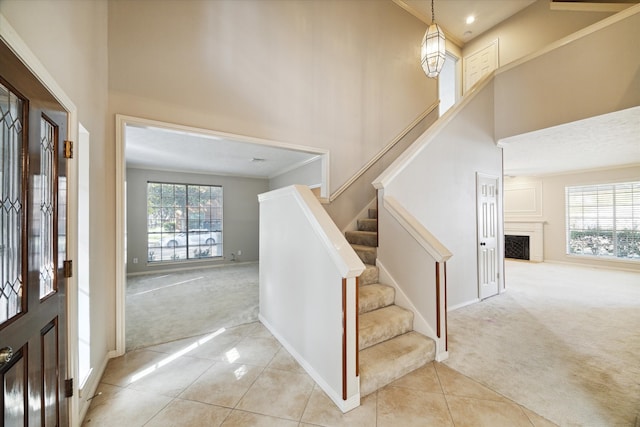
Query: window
x=604 y=220
x=183 y=221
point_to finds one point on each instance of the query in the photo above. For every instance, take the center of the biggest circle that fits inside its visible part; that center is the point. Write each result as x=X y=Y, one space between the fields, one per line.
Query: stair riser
x=360 y=238
x=373 y=297
x=368 y=224
x=368 y=257
x=373 y=213
x=369 y=276
x=373 y=333
x=395 y=369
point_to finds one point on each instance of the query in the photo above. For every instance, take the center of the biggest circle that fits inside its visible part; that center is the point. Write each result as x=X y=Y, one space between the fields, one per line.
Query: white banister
x=428 y=241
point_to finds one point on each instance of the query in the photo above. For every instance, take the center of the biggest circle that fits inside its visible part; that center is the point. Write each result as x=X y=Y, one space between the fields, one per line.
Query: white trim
x=20 y=49
x=573 y=37
x=597 y=266
x=344 y=405
x=90 y=387
x=464 y=304
x=384 y=150
x=588 y=7
x=294 y=166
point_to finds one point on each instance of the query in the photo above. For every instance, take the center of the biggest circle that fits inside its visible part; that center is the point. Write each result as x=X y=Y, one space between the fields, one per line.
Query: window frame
x=606 y=220
x=188 y=226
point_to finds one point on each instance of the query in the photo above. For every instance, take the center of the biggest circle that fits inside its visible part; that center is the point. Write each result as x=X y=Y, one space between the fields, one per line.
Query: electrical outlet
x=239 y=252
x=135 y=260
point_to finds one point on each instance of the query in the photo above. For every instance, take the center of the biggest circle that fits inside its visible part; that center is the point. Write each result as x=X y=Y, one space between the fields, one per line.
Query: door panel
x=32 y=250
x=487 y=198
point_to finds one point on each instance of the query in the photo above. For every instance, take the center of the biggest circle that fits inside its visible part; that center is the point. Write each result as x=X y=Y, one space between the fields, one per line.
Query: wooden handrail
x=384 y=151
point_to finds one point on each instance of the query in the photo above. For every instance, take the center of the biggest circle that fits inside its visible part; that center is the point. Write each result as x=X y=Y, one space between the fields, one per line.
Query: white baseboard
x=90 y=387
x=344 y=405
x=464 y=304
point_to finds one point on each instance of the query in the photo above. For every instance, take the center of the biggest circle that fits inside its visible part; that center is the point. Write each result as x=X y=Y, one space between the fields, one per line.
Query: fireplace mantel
x=533 y=229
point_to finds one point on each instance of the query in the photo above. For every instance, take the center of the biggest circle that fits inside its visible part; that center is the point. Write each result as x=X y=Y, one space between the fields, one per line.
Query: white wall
x=309 y=174
x=70 y=39
x=553 y=209
x=342 y=75
x=240 y=215
x=439 y=188
x=589 y=76
x=532 y=29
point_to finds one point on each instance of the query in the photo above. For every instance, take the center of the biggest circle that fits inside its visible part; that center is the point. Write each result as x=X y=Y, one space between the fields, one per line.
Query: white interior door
x=487 y=217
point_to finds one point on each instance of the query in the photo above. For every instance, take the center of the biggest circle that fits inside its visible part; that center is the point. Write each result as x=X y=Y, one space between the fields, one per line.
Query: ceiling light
x=470 y=19
x=433 y=51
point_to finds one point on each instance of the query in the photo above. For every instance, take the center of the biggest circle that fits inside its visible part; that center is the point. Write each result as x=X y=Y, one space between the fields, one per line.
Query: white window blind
x=604 y=220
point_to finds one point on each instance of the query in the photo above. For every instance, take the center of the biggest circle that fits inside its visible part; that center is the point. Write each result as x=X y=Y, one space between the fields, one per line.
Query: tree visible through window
x=183 y=221
x=604 y=220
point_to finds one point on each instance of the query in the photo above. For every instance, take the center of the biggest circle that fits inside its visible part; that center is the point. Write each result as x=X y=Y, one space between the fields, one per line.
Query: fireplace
x=516 y=247
x=534 y=230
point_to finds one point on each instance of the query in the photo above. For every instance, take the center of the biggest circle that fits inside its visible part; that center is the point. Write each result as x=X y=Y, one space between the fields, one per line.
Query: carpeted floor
x=167 y=306
x=563 y=341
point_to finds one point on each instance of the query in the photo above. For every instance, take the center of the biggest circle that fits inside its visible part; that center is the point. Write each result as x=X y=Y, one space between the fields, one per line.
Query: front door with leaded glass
x=33 y=222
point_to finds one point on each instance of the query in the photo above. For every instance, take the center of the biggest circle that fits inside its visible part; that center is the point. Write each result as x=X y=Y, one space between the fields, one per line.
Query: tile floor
x=244 y=377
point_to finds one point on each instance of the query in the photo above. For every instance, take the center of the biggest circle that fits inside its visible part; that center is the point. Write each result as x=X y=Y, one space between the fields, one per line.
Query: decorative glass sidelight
x=11 y=204
x=47 y=176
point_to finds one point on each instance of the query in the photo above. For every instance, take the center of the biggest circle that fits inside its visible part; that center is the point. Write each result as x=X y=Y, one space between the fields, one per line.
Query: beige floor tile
x=244 y=419
x=406 y=407
x=284 y=361
x=170 y=377
x=121 y=370
x=252 y=350
x=425 y=379
x=223 y=384
x=278 y=393
x=456 y=384
x=191 y=344
x=539 y=421
x=185 y=413
x=260 y=331
x=215 y=347
x=479 y=413
x=322 y=411
x=124 y=408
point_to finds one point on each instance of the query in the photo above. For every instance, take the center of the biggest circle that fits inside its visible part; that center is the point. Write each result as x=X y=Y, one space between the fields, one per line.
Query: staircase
x=389 y=347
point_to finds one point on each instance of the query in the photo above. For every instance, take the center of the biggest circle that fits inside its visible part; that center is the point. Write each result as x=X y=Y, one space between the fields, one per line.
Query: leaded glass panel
x=47 y=186
x=12 y=205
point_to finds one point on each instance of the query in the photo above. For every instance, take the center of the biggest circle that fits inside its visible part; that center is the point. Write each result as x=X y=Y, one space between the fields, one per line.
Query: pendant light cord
x=433 y=13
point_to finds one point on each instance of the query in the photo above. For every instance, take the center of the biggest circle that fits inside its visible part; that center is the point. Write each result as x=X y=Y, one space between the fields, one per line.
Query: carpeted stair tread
x=367 y=254
x=383 y=324
x=370 y=275
x=368 y=224
x=384 y=363
x=366 y=238
x=375 y=296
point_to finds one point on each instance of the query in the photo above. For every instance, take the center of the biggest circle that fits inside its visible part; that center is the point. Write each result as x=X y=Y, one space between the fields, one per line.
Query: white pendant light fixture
x=433 y=48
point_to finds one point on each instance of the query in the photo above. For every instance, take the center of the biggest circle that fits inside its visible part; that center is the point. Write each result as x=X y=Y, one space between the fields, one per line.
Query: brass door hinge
x=68 y=387
x=68 y=149
x=67 y=268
